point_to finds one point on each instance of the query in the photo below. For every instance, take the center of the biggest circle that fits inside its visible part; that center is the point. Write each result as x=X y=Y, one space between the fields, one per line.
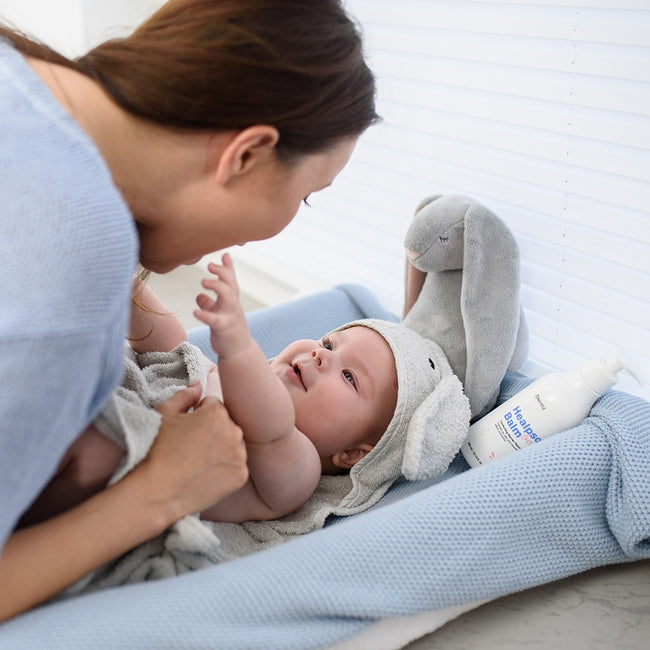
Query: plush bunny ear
x=496 y=336
x=436 y=431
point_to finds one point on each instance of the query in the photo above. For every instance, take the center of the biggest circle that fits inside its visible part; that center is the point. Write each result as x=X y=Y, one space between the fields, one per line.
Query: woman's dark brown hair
x=297 y=65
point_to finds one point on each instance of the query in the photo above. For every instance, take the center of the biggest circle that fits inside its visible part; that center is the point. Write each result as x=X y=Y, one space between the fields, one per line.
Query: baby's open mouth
x=296 y=369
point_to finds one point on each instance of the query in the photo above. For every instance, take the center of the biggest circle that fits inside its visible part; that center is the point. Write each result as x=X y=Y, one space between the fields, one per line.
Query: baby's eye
x=327 y=344
x=349 y=377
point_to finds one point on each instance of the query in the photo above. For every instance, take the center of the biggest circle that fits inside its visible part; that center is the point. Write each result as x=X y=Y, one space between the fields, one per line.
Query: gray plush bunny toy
x=469 y=303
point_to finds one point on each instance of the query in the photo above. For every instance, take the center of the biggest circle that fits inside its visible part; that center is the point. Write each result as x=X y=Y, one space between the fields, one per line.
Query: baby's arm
x=414 y=283
x=246 y=377
x=153 y=326
x=283 y=464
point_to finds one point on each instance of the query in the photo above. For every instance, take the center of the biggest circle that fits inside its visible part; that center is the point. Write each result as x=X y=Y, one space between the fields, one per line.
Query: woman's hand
x=198 y=458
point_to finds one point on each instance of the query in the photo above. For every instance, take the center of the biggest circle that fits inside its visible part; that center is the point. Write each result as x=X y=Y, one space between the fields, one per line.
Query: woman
x=203 y=129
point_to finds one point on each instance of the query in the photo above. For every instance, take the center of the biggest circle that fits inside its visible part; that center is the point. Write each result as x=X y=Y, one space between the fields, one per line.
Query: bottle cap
x=616 y=363
x=601 y=374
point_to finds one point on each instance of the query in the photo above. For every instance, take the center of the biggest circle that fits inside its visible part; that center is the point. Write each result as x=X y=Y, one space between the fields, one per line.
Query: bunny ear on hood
x=436 y=432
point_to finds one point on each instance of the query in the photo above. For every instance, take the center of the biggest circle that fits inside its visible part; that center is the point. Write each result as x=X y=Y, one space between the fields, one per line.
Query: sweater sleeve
x=53 y=387
x=68 y=251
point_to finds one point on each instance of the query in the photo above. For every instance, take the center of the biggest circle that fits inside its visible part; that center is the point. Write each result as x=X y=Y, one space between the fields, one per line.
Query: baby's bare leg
x=85 y=469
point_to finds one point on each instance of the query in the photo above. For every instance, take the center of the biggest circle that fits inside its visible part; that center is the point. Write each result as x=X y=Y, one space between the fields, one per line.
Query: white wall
x=107 y=18
x=59 y=23
x=72 y=26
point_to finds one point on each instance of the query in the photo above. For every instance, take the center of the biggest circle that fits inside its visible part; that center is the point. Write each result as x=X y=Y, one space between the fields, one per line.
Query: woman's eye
x=306 y=202
x=349 y=377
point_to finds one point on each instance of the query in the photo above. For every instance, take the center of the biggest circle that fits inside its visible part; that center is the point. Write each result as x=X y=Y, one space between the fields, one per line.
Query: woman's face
x=202 y=217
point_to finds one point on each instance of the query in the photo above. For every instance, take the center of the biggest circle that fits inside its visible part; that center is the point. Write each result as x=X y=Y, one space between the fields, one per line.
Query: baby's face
x=343 y=388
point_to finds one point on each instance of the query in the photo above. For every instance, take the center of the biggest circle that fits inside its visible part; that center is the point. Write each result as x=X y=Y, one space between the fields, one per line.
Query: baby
x=319 y=407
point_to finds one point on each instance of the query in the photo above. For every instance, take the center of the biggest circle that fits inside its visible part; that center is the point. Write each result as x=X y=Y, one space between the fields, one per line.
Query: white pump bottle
x=550 y=404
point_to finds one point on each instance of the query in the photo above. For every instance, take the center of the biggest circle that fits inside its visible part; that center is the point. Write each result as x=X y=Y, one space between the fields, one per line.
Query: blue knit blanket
x=578 y=500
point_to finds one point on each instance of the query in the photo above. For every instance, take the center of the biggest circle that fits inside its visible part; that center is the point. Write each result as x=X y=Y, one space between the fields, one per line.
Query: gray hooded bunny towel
x=469 y=303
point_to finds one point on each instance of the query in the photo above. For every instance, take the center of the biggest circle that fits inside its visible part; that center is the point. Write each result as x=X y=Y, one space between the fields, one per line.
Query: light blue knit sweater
x=68 y=249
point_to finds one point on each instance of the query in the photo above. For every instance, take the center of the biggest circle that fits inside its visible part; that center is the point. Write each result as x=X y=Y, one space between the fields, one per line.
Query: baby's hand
x=224 y=315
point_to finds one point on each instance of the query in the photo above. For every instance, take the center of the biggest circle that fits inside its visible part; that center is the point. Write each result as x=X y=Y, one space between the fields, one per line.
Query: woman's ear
x=247 y=149
x=350 y=457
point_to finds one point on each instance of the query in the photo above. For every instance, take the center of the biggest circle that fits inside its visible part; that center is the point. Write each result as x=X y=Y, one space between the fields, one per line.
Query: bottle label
x=517 y=426
x=488 y=441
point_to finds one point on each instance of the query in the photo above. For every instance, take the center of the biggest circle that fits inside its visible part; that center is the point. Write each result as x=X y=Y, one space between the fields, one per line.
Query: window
x=539 y=110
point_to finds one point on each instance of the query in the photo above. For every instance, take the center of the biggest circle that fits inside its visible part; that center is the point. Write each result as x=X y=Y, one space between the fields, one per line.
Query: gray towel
x=191 y=543
x=130 y=420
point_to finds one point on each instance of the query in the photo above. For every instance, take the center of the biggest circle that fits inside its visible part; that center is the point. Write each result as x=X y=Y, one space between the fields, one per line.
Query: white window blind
x=538 y=109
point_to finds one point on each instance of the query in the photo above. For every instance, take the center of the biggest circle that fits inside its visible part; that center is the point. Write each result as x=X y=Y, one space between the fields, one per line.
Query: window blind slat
x=541 y=257
x=575 y=22
x=615 y=160
x=444 y=78
x=586 y=293
x=428 y=103
x=518 y=53
x=514 y=181
x=627 y=160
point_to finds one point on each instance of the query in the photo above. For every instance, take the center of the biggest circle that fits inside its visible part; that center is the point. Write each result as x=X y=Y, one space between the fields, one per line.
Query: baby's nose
x=318 y=356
